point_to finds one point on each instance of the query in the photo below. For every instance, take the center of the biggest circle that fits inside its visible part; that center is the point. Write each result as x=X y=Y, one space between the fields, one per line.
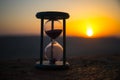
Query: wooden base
x=46 y=65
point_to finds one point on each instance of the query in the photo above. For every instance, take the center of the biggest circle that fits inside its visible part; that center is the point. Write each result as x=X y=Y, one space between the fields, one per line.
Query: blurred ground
x=104 y=67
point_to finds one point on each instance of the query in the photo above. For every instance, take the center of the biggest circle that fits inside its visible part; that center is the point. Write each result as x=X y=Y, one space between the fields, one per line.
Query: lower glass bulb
x=57 y=51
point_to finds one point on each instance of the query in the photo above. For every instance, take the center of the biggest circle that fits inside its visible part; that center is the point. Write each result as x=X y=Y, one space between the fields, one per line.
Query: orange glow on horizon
x=102 y=15
x=95 y=27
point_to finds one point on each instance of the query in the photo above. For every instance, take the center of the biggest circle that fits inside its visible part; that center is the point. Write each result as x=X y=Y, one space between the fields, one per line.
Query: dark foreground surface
x=104 y=67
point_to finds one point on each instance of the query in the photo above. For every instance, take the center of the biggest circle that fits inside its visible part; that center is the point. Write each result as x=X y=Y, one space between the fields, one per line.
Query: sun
x=89 y=32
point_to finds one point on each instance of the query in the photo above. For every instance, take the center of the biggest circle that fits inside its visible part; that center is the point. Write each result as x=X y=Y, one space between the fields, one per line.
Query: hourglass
x=54 y=53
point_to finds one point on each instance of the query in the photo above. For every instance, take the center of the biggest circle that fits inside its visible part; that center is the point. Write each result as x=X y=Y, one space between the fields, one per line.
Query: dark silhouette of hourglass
x=54 y=53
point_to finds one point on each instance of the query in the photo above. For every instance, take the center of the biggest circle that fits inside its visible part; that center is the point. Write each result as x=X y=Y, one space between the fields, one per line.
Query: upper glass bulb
x=53 y=28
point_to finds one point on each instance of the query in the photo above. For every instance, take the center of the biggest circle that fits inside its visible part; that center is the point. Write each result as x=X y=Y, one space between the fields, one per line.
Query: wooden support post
x=64 y=42
x=41 y=41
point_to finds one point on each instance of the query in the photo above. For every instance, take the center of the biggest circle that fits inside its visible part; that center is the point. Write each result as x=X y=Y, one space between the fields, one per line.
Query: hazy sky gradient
x=17 y=17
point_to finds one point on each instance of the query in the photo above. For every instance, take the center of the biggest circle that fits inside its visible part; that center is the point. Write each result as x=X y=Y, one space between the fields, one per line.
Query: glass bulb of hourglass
x=53 y=50
x=57 y=51
x=53 y=31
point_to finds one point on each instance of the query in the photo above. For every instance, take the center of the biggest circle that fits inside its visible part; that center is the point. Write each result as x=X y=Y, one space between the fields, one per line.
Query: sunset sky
x=98 y=18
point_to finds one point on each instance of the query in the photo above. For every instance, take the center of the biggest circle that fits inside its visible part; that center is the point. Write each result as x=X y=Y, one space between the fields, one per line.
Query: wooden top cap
x=52 y=15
